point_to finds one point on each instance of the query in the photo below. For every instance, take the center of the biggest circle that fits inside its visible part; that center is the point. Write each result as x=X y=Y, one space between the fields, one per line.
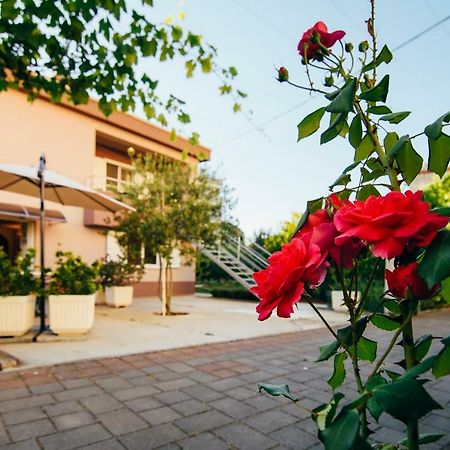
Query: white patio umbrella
x=40 y=182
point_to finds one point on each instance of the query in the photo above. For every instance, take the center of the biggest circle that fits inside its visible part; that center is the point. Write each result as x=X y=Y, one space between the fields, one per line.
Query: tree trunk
x=164 y=286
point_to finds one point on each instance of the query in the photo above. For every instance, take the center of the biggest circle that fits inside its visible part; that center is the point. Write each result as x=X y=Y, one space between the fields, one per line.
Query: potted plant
x=116 y=277
x=72 y=295
x=18 y=286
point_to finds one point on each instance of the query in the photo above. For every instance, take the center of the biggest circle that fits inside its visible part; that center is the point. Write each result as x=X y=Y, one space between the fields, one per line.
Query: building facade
x=82 y=144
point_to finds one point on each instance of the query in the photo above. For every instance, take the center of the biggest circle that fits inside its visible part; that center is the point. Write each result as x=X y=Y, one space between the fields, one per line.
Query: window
x=149 y=257
x=118 y=176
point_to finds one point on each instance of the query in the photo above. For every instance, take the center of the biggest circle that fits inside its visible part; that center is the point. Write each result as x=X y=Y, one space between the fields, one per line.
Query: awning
x=20 y=213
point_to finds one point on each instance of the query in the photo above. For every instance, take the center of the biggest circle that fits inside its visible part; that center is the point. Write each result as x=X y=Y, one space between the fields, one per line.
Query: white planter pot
x=16 y=314
x=71 y=314
x=100 y=297
x=119 y=296
x=337 y=301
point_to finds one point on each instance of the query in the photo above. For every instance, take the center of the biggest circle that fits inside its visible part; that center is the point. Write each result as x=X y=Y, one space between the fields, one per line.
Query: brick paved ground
x=194 y=398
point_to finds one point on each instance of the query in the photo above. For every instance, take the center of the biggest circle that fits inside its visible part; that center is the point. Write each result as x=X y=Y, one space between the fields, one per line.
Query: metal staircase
x=237 y=259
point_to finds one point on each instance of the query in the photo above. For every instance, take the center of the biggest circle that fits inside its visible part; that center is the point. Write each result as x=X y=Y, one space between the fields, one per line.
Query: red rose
x=405 y=277
x=317 y=36
x=282 y=283
x=323 y=233
x=390 y=223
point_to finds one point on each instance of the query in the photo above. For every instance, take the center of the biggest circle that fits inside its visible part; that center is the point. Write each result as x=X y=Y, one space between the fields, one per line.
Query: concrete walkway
x=201 y=398
x=140 y=329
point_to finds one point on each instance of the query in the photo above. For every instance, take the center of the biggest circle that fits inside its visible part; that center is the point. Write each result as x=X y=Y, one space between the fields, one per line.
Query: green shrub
x=117 y=273
x=17 y=278
x=72 y=276
x=230 y=289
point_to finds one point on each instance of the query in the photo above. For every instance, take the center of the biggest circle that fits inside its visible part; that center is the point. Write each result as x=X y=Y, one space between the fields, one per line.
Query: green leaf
x=394 y=149
x=422 y=346
x=441 y=366
x=439 y=156
x=342 y=432
x=324 y=414
x=404 y=399
x=338 y=376
x=328 y=350
x=344 y=177
x=385 y=322
x=435 y=265
x=277 y=389
x=434 y=130
x=409 y=161
x=426 y=438
x=310 y=124
x=149 y=48
x=366 y=191
x=445 y=290
x=355 y=132
x=367 y=349
x=395 y=117
x=420 y=368
x=385 y=56
x=343 y=102
x=364 y=149
x=334 y=129
x=390 y=140
x=378 y=93
x=445 y=211
x=379 y=110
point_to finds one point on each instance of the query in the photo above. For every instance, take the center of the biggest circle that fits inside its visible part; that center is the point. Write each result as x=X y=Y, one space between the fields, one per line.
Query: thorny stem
x=310 y=89
x=395 y=186
x=389 y=347
x=410 y=361
x=313 y=306
x=366 y=290
x=374 y=40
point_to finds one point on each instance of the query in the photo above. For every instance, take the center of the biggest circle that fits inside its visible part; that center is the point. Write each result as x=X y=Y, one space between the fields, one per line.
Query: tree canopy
x=75 y=49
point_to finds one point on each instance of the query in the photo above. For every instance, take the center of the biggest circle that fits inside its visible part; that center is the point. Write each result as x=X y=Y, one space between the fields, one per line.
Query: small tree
x=174 y=209
x=437 y=194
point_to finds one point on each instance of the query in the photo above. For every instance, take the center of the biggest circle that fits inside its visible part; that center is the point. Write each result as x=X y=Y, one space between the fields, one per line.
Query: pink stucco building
x=80 y=143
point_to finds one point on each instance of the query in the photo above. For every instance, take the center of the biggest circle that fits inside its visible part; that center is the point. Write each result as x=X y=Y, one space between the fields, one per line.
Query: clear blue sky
x=271 y=174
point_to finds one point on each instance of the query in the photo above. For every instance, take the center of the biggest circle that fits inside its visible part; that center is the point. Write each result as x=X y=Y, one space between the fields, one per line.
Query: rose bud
x=363 y=46
x=283 y=74
x=329 y=81
x=348 y=47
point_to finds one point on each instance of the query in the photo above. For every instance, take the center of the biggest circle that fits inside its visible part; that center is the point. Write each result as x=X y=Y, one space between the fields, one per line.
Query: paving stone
x=30 y=444
x=23 y=415
x=110 y=444
x=190 y=407
x=111 y=384
x=269 y=421
x=76 y=383
x=8 y=394
x=77 y=393
x=160 y=415
x=203 y=422
x=142 y=381
x=242 y=393
x=243 y=437
x=223 y=385
x=203 y=393
x=293 y=437
x=77 y=438
x=172 y=397
x=101 y=403
x=143 y=404
x=204 y=441
x=61 y=408
x=26 y=402
x=122 y=421
x=200 y=377
x=46 y=388
x=134 y=392
x=233 y=408
x=29 y=430
x=4 y=438
x=73 y=420
x=154 y=437
x=174 y=384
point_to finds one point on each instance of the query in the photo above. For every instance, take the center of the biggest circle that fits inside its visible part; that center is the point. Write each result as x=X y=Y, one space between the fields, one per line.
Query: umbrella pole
x=42 y=252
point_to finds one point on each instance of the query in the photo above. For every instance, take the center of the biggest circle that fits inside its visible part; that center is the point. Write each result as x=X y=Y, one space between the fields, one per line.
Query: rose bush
x=360 y=222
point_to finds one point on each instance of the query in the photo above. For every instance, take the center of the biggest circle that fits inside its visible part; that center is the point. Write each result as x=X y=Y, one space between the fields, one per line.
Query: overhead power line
x=287 y=111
